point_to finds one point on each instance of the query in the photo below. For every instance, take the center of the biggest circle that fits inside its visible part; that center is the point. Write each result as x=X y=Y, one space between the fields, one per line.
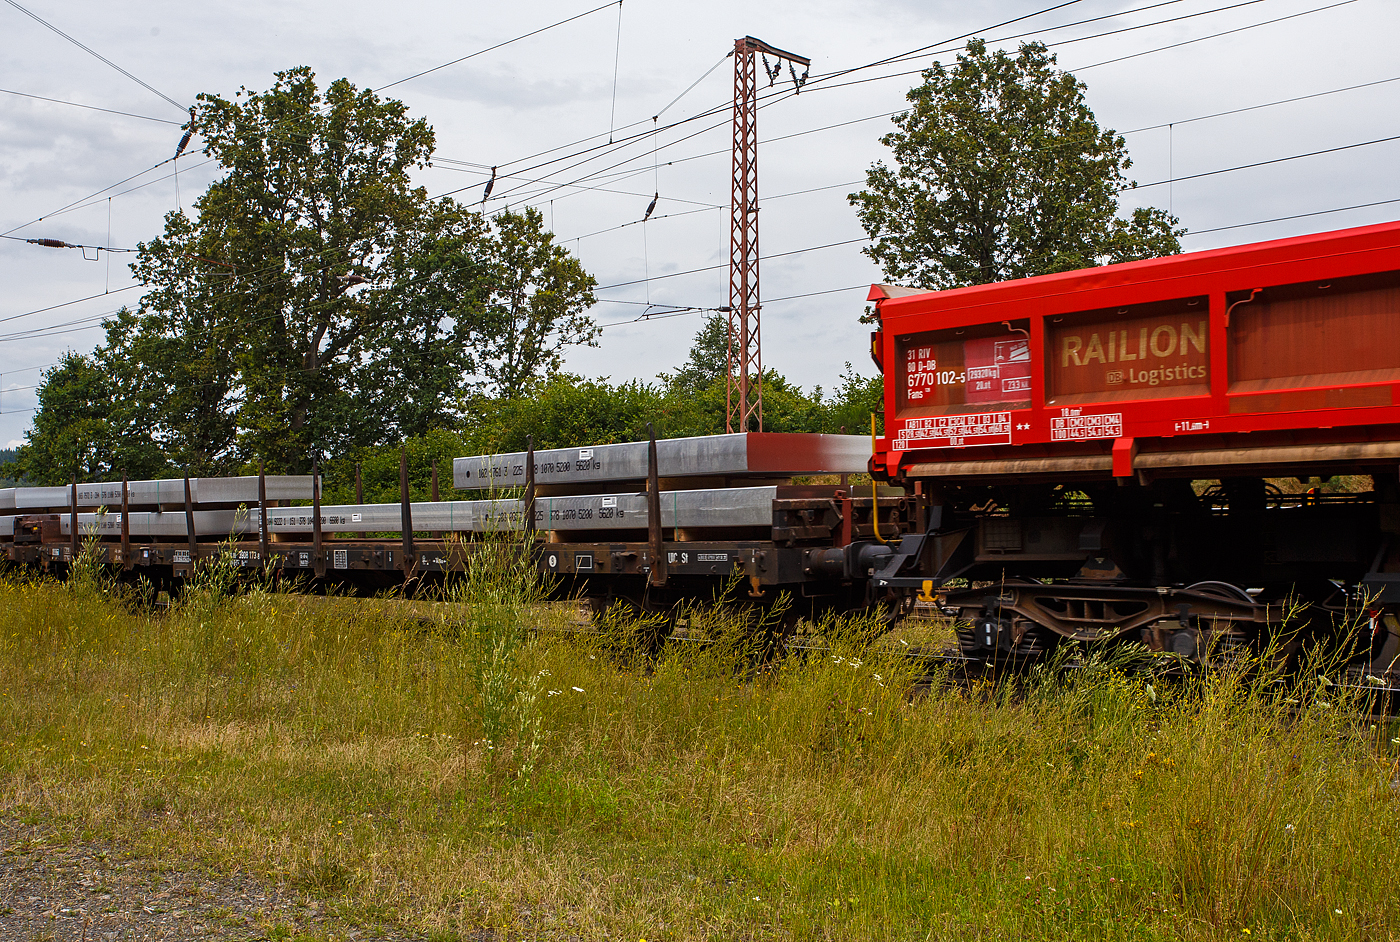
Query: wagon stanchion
x=657 y=572
x=127 y=561
x=405 y=514
x=318 y=561
x=262 y=513
x=190 y=536
x=529 y=523
x=73 y=523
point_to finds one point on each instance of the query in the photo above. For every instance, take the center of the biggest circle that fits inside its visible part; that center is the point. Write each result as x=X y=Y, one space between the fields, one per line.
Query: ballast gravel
x=56 y=890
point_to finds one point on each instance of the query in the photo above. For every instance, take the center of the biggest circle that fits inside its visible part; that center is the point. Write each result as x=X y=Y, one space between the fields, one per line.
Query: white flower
x=1337 y=911
x=578 y=690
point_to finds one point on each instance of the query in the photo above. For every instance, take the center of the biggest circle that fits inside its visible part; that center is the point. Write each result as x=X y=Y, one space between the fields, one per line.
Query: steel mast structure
x=744 y=386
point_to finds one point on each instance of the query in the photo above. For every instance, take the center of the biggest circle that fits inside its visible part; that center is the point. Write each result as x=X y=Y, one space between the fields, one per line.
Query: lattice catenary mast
x=744 y=389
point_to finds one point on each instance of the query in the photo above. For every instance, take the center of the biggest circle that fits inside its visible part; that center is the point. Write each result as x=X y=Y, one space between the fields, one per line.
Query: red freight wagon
x=1116 y=447
x=1281 y=353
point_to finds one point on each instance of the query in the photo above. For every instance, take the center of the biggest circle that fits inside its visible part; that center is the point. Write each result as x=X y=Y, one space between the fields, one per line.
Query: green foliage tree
x=709 y=357
x=77 y=430
x=535 y=303
x=315 y=198
x=318 y=302
x=568 y=410
x=1002 y=172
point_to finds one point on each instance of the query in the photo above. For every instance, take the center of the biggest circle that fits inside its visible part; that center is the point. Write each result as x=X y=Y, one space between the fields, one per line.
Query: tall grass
x=479 y=763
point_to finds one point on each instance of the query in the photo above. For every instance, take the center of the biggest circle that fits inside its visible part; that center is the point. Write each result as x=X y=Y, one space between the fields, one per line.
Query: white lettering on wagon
x=955 y=431
x=1066 y=428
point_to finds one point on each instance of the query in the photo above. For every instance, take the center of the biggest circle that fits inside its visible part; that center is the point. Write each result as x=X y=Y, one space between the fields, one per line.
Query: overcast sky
x=561 y=87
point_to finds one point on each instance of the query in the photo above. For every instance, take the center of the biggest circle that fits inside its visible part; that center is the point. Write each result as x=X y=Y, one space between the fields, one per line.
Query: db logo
x=1114 y=377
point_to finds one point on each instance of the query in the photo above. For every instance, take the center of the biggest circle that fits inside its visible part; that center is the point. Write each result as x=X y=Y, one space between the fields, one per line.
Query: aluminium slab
x=169 y=525
x=41 y=498
x=236 y=490
x=756 y=454
x=710 y=507
x=460 y=516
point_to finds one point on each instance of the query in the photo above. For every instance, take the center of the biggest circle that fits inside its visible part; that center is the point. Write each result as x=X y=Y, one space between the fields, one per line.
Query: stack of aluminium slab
x=733 y=457
x=735 y=478
x=575 y=492
x=216 y=501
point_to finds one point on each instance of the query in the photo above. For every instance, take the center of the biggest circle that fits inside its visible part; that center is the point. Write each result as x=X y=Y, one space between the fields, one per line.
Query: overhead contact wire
x=96 y=55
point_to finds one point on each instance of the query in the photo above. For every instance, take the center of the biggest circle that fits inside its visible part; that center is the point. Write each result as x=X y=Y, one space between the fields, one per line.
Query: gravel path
x=91 y=891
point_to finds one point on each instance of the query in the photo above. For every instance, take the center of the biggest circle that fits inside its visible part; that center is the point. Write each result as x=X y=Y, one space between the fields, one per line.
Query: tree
x=315 y=198
x=709 y=358
x=1003 y=172
x=76 y=430
x=320 y=302
x=174 y=361
x=535 y=303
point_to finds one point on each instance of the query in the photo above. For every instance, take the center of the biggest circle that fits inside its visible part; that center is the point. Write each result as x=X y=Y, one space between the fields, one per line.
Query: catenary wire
x=479 y=52
x=74 y=104
x=1320 y=212
x=782 y=95
x=833 y=244
x=1150 y=184
x=1095 y=19
x=96 y=55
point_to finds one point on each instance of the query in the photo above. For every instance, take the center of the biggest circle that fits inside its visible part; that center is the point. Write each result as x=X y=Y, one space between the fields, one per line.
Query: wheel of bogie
x=626 y=628
x=777 y=629
x=1206 y=642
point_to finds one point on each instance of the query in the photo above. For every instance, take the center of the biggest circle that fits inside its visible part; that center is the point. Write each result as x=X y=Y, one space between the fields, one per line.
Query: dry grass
x=455 y=779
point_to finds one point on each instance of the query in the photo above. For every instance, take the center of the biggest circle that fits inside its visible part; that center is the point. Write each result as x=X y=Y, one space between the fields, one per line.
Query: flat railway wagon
x=1100 y=451
x=647 y=524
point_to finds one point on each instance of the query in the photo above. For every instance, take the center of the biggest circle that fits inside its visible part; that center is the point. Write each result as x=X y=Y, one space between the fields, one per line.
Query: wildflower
x=1373 y=679
x=1289 y=827
x=1337 y=911
x=1151 y=693
x=578 y=689
x=1323 y=681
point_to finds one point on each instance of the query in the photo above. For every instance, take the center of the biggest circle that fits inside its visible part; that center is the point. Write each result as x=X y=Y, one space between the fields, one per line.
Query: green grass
x=450 y=769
